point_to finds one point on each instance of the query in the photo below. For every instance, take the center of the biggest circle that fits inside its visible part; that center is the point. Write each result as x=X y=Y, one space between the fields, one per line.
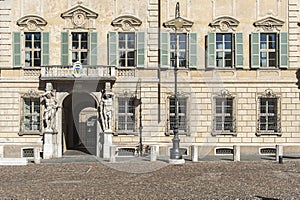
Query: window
x=126 y=49
x=187 y=50
x=178 y=49
x=33 y=46
x=223 y=119
x=126 y=114
x=268 y=114
x=269 y=50
x=225 y=50
x=30 y=121
x=80 y=47
x=32 y=49
x=182 y=113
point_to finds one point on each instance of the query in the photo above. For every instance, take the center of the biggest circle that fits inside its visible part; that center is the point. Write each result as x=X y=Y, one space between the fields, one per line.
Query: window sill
x=30 y=133
x=268 y=133
x=180 y=132
x=127 y=133
x=216 y=133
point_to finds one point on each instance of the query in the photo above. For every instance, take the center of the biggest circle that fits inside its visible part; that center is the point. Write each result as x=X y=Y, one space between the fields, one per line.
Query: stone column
x=236 y=153
x=194 y=153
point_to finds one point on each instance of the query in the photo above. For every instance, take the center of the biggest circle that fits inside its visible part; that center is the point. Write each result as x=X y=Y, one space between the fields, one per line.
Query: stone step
x=13 y=161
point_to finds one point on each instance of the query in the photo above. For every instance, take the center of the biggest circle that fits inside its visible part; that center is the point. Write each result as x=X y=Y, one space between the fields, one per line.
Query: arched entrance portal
x=80 y=124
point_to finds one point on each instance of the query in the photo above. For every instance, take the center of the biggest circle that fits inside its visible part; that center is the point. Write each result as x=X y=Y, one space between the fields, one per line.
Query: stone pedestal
x=49 y=146
x=236 y=153
x=154 y=152
x=113 y=154
x=194 y=153
x=107 y=143
x=279 y=152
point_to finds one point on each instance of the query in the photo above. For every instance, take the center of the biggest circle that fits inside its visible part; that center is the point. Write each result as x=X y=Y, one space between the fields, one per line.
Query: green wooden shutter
x=255 y=58
x=141 y=47
x=65 y=48
x=16 y=49
x=193 y=50
x=211 y=50
x=283 y=50
x=112 y=48
x=93 y=48
x=45 y=48
x=239 y=51
x=164 y=50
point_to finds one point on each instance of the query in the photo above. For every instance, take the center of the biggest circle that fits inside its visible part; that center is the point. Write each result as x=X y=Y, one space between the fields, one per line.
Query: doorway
x=80 y=124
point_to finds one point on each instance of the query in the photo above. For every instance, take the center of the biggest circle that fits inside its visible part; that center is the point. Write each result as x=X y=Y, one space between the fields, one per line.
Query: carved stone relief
x=79 y=17
x=32 y=23
x=224 y=24
x=126 y=23
x=269 y=24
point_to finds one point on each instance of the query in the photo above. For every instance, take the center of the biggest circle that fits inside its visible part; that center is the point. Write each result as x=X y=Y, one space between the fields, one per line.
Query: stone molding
x=32 y=23
x=79 y=17
x=186 y=24
x=126 y=23
x=269 y=24
x=224 y=24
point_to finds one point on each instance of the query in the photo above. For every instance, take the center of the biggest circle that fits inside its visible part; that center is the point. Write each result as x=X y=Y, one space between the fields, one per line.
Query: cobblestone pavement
x=265 y=180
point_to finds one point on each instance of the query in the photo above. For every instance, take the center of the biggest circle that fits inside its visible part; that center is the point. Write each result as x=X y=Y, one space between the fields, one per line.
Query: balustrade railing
x=88 y=71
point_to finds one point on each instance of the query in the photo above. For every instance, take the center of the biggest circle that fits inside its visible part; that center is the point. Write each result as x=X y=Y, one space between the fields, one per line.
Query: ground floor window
x=126 y=114
x=30 y=119
x=182 y=113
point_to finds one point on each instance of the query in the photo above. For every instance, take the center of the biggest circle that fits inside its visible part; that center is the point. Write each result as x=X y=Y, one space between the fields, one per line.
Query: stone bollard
x=236 y=153
x=113 y=153
x=194 y=153
x=37 y=158
x=279 y=154
x=153 y=152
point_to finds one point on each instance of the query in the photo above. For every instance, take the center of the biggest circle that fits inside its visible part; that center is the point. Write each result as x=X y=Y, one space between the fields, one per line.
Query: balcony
x=85 y=72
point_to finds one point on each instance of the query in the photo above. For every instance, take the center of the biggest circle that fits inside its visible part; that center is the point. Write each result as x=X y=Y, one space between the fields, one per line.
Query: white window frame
x=128 y=115
x=223 y=51
x=176 y=50
x=32 y=50
x=127 y=50
x=80 y=50
x=267 y=50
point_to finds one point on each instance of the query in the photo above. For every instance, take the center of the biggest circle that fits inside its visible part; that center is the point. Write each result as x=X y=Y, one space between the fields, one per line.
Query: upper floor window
x=178 y=49
x=126 y=49
x=32 y=49
x=225 y=50
x=269 y=50
x=80 y=47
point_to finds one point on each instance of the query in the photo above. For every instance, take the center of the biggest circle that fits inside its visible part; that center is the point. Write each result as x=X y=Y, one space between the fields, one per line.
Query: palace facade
x=87 y=75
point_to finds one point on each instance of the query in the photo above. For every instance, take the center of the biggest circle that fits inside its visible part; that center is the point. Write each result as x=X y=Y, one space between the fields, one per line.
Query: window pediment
x=269 y=24
x=186 y=24
x=31 y=94
x=224 y=24
x=79 y=17
x=126 y=23
x=32 y=23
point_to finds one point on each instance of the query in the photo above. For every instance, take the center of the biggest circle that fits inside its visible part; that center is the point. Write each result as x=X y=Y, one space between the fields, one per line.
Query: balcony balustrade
x=58 y=72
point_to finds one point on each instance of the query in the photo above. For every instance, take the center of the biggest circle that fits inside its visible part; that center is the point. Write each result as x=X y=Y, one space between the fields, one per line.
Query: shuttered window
x=179 y=50
x=225 y=50
x=269 y=50
x=126 y=49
